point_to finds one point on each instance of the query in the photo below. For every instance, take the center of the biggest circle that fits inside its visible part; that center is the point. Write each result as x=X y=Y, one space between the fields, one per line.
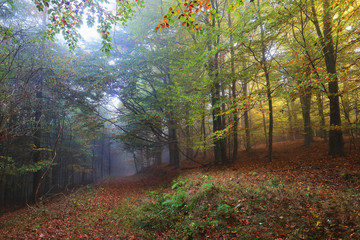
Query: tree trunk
x=189 y=149
x=336 y=143
x=37 y=136
x=305 y=101
x=323 y=132
x=246 y=119
x=271 y=116
x=346 y=110
x=291 y=124
x=233 y=93
x=203 y=131
x=265 y=66
x=135 y=163
x=264 y=125
x=219 y=143
x=173 y=144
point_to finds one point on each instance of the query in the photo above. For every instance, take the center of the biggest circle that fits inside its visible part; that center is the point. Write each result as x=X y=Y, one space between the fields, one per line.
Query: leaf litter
x=302 y=194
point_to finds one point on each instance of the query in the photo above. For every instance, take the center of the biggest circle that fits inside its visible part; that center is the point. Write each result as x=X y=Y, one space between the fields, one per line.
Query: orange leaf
x=210 y=16
x=178 y=11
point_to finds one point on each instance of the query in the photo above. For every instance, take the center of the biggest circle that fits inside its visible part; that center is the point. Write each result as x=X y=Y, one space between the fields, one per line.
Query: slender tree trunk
x=246 y=119
x=102 y=158
x=265 y=66
x=346 y=110
x=305 y=101
x=320 y=106
x=264 y=126
x=356 y=117
x=203 y=131
x=291 y=124
x=189 y=149
x=37 y=135
x=233 y=93
x=158 y=152
x=135 y=163
x=271 y=116
x=109 y=157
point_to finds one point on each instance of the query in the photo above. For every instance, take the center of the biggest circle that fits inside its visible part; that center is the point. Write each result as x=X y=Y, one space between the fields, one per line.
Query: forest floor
x=302 y=194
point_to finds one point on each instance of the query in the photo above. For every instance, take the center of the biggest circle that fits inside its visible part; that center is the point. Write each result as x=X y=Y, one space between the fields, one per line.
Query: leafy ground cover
x=303 y=194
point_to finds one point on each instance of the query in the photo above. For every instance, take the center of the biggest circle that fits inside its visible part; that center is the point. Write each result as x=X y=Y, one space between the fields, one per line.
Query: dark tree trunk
x=109 y=158
x=135 y=163
x=158 y=152
x=336 y=143
x=219 y=143
x=213 y=72
x=189 y=150
x=174 y=154
x=271 y=116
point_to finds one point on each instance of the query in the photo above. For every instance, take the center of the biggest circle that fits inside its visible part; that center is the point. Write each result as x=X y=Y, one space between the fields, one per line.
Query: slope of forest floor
x=302 y=194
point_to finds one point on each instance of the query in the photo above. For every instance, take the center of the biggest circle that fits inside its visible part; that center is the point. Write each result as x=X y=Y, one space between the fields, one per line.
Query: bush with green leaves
x=188 y=210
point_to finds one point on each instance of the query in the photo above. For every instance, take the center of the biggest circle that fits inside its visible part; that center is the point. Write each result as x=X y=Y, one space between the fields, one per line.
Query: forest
x=94 y=90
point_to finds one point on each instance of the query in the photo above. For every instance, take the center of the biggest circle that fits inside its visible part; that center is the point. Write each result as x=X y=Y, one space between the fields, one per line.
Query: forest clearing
x=304 y=194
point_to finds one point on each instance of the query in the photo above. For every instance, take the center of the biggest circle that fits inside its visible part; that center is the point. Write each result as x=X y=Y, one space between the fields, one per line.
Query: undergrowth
x=247 y=206
x=217 y=205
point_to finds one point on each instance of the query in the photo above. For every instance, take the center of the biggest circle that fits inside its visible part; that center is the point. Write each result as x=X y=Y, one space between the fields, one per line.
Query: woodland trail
x=86 y=213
